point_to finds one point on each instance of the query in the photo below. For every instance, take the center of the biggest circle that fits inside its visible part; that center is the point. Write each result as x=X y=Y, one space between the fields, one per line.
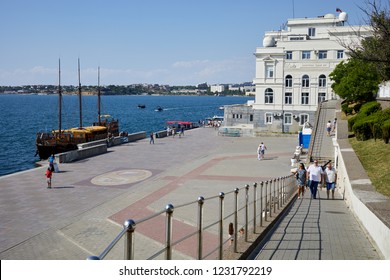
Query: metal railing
x=263 y=198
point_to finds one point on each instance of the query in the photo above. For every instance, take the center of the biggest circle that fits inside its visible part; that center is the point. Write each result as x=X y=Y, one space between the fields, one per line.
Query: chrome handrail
x=279 y=192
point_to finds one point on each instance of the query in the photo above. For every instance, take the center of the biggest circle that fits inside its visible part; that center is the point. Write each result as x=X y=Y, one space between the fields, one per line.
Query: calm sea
x=22 y=116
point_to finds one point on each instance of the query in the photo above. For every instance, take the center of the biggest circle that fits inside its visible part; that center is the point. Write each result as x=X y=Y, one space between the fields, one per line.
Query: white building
x=292 y=72
x=217 y=88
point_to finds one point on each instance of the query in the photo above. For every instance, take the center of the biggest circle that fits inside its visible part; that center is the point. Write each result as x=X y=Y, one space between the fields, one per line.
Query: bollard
x=200 y=227
x=129 y=225
x=169 y=211
x=254 y=206
x=246 y=211
x=221 y=197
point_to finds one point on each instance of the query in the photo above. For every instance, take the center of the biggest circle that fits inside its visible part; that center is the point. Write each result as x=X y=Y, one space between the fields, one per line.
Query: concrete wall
x=99 y=147
x=371 y=208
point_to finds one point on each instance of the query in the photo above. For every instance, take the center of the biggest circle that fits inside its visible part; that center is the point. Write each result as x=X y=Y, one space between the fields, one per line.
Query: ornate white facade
x=292 y=72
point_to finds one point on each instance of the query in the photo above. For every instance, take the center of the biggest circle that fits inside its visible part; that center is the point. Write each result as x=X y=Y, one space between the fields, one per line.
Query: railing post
x=274 y=197
x=129 y=225
x=254 y=206
x=221 y=197
x=270 y=198
x=200 y=227
x=246 y=211
x=284 y=189
x=278 y=196
x=266 y=201
x=169 y=211
x=261 y=203
x=236 y=191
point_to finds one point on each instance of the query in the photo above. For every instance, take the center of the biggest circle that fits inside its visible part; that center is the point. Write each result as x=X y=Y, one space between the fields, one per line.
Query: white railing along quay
x=249 y=207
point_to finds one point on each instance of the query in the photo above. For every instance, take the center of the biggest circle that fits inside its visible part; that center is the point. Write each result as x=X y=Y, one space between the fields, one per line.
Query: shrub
x=346 y=109
x=367 y=127
x=369 y=108
x=352 y=121
x=386 y=131
x=357 y=107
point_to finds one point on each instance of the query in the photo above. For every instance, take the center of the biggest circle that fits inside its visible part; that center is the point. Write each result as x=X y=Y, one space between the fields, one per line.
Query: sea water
x=22 y=116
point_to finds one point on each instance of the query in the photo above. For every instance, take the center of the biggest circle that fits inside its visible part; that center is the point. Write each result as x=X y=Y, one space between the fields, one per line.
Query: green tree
x=355 y=80
x=376 y=48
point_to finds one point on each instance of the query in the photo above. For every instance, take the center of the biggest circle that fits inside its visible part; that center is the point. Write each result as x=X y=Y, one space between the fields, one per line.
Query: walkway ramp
x=318 y=229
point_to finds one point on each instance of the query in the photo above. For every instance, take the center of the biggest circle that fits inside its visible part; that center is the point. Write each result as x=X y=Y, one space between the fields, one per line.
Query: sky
x=174 y=42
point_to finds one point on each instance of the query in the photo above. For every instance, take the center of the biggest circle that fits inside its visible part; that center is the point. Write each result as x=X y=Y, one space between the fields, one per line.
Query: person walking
x=261 y=151
x=301 y=176
x=315 y=176
x=330 y=179
x=51 y=162
x=328 y=128
x=334 y=124
x=48 y=175
x=151 y=138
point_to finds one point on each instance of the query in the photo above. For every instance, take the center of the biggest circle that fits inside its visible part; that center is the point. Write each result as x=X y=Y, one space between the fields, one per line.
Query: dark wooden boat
x=64 y=140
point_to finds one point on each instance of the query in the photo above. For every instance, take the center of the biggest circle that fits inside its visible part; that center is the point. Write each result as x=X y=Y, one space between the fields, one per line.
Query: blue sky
x=176 y=42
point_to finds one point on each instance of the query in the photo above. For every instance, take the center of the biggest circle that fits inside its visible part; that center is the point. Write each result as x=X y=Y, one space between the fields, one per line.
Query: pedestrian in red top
x=48 y=177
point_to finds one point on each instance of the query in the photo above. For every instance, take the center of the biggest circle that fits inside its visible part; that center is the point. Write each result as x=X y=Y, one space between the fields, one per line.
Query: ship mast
x=80 y=103
x=59 y=98
x=99 y=121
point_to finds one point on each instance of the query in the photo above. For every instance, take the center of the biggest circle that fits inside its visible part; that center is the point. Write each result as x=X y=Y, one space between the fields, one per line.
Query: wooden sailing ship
x=64 y=140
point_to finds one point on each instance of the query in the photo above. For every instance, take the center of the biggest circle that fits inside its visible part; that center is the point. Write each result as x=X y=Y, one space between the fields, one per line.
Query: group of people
x=315 y=175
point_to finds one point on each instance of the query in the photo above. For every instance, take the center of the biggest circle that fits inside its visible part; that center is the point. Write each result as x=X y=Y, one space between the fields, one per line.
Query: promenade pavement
x=92 y=198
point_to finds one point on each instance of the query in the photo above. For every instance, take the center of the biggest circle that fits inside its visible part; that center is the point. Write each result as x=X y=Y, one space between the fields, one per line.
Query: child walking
x=48 y=177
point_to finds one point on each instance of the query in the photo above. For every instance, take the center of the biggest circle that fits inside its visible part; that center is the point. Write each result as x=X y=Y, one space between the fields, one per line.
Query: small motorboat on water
x=141 y=106
x=158 y=109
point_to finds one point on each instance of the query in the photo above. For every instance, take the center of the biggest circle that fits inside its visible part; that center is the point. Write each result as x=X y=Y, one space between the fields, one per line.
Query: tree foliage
x=376 y=48
x=355 y=80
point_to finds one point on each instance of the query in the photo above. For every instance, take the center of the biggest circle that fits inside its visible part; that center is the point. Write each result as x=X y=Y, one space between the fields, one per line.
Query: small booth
x=305 y=135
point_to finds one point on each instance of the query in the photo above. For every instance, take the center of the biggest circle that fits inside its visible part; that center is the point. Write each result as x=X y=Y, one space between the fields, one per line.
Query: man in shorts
x=330 y=179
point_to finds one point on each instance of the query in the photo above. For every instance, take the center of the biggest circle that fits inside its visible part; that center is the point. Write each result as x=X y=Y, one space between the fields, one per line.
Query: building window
x=322 y=81
x=312 y=31
x=251 y=118
x=305 y=98
x=321 y=97
x=287 y=118
x=269 y=96
x=288 y=98
x=305 y=54
x=289 y=55
x=269 y=71
x=268 y=118
x=305 y=81
x=303 y=118
x=289 y=81
x=322 y=54
x=340 y=54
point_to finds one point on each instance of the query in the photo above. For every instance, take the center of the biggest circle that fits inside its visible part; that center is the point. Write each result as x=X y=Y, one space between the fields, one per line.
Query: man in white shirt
x=330 y=179
x=315 y=176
